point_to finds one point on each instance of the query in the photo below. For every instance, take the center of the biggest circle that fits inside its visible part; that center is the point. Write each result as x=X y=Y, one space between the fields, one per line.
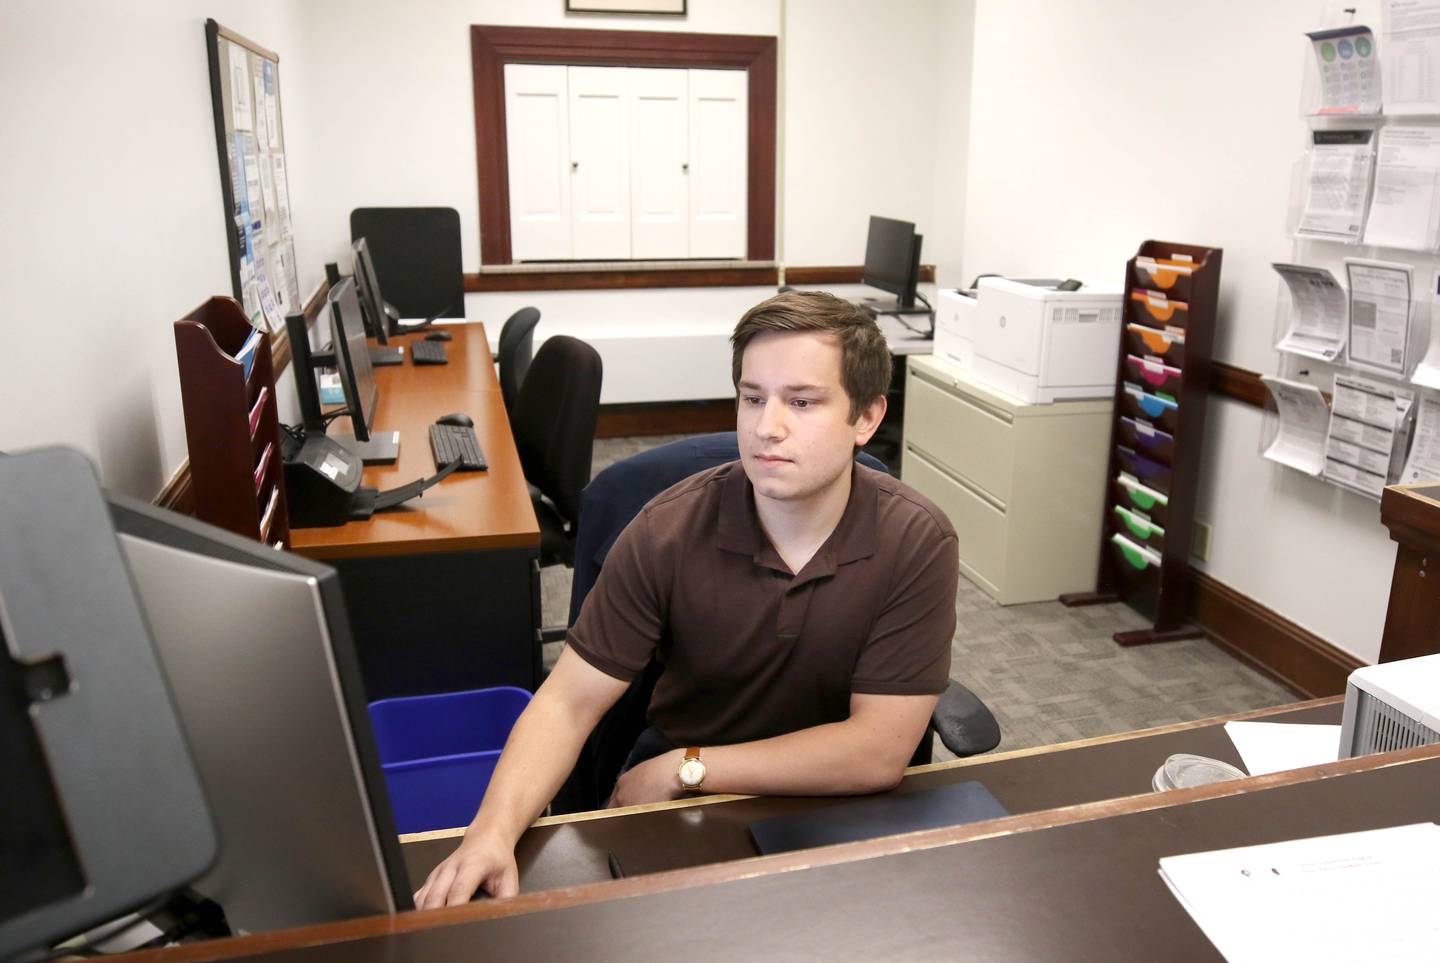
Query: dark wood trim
x=491 y=48
x=178 y=495
x=615 y=279
x=1268 y=641
x=849 y=274
x=254 y=47
x=1237 y=384
x=665 y=418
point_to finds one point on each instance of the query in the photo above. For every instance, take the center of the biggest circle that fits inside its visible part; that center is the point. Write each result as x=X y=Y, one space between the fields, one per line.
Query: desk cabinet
x=1023 y=484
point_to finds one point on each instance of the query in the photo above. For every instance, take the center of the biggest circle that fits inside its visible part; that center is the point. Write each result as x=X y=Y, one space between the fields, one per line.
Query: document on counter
x=1410 y=56
x=1318 y=312
x=1337 y=184
x=1355 y=896
x=1369 y=425
x=1276 y=746
x=1424 y=461
x=1381 y=304
x=1304 y=420
x=1403 y=206
x=1349 y=70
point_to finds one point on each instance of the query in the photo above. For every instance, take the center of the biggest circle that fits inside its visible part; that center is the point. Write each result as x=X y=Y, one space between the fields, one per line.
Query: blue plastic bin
x=438 y=752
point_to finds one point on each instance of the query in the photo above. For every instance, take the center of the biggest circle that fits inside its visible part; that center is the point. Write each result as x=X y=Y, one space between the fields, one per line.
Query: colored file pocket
x=1145 y=438
x=1154 y=376
x=1166 y=345
x=1135 y=495
x=1138 y=567
x=1149 y=472
x=1164 y=413
x=1169 y=275
x=1137 y=527
x=1155 y=310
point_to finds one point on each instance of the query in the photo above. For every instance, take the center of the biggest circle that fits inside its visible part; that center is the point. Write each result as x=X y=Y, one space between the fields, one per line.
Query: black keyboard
x=456 y=443
x=428 y=352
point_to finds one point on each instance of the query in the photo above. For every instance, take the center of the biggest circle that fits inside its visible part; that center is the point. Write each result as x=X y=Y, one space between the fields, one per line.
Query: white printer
x=1041 y=344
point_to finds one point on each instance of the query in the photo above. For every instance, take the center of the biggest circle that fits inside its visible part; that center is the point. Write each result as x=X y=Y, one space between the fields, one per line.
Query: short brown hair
x=864 y=356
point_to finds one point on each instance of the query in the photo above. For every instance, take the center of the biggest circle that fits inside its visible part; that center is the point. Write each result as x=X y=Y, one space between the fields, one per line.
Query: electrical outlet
x=1200 y=545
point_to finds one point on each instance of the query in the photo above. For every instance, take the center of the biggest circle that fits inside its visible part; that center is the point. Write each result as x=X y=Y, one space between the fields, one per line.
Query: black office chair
x=416 y=252
x=554 y=426
x=517 y=339
x=614 y=497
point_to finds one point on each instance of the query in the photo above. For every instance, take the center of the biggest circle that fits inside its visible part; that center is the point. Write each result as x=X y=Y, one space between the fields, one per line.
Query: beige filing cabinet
x=1023 y=484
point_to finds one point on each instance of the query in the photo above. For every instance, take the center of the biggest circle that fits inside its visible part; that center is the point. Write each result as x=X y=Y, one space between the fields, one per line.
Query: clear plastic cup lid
x=1182 y=771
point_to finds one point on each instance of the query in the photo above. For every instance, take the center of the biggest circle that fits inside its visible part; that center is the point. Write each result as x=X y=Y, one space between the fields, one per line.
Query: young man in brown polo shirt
x=803 y=607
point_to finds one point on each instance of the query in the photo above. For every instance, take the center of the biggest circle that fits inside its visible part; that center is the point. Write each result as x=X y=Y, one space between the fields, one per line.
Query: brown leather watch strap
x=693 y=752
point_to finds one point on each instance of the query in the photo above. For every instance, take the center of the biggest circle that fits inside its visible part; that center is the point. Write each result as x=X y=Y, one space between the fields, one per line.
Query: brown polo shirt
x=752 y=650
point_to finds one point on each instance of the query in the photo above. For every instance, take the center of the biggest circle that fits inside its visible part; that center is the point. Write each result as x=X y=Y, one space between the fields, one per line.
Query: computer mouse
x=458 y=418
x=439 y=335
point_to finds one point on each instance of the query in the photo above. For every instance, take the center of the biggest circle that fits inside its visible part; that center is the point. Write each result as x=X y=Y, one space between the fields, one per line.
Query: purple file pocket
x=1145 y=438
x=1151 y=473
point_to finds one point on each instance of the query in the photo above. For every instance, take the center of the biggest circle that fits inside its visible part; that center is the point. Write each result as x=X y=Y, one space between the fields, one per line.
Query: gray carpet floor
x=1050 y=674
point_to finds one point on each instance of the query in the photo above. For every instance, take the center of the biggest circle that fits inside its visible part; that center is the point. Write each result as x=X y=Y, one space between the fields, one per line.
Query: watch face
x=692 y=772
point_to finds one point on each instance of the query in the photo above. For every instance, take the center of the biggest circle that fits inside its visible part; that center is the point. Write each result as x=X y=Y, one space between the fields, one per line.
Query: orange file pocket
x=1155 y=310
x=1166 y=345
x=1161 y=390
x=1155 y=377
x=1140 y=436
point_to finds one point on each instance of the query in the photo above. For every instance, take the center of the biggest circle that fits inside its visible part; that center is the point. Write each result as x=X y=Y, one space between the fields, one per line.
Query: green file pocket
x=1143 y=437
x=1166 y=345
x=1137 y=528
x=1155 y=377
x=1151 y=473
x=1162 y=412
x=1140 y=498
x=1138 y=567
x=1168 y=276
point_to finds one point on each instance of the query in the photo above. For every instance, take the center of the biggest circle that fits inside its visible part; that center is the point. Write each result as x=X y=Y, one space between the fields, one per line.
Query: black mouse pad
x=951 y=805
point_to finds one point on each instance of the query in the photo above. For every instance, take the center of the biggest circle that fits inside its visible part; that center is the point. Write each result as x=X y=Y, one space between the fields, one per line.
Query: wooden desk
x=1078 y=883
x=1412 y=513
x=443 y=592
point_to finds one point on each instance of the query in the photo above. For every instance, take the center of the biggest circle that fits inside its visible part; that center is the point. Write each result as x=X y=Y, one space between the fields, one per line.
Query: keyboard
x=456 y=443
x=428 y=352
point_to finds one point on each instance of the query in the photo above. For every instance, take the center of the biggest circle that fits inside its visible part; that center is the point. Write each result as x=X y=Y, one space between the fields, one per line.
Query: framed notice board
x=250 y=141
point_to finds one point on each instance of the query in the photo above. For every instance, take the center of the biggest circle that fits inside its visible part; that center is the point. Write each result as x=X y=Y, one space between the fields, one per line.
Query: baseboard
x=665 y=418
x=1266 y=640
x=178 y=495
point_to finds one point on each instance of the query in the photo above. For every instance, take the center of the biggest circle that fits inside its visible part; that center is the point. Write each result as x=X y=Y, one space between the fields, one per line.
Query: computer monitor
x=357 y=379
x=371 y=303
x=892 y=264
x=268 y=688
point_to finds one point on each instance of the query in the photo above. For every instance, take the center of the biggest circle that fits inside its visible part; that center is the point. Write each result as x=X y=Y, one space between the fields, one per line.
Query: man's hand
x=654 y=780
x=480 y=862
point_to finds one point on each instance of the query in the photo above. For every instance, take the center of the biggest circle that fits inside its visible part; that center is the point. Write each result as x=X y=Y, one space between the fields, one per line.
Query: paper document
x=1369 y=426
x=1277 y=746
x=1349 y=72
x=1318 y=312
x=1357 y=896
x=1427 y=372
x=1380 y=314
x=1403 y=208
x=1424 y=461
x=1304 y=418
x=1410 y=56
x=240 y=87
x=1337 y=183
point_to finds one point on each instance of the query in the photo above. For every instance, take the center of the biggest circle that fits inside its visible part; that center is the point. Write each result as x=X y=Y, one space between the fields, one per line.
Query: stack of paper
x=1319 y=312
x=1304 y=417
x=1358 y=896
x=1369 y=428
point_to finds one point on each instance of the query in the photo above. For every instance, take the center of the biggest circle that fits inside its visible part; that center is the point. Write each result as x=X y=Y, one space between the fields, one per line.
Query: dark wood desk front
x=442 y=591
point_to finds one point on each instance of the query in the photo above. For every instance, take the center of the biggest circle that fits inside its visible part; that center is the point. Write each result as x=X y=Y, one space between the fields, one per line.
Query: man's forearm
x=835 y=759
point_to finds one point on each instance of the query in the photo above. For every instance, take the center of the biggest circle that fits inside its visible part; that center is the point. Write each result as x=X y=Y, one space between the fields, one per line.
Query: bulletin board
x=250 y=142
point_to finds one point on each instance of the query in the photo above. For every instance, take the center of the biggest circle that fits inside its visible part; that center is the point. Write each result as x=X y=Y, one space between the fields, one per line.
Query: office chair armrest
x=964 y=724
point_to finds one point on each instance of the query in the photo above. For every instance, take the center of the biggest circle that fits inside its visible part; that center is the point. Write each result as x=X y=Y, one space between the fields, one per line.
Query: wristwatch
x=692 y=771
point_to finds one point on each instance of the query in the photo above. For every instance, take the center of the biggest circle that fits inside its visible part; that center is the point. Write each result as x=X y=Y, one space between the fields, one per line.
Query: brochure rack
x=232 y=426
x=1171 y=291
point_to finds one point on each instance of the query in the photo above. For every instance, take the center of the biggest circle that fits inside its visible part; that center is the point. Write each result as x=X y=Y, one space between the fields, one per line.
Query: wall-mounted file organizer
x=1171 y=292
x=232 y=427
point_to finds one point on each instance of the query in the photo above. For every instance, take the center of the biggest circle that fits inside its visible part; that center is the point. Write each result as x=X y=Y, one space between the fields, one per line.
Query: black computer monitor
x=267 y=684
x=371 y=303
x=892 y=264
x=357 y=379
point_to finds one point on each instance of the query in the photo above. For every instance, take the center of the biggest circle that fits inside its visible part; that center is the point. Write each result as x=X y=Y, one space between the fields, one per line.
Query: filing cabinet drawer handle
x=954 y=390
x=956 y=477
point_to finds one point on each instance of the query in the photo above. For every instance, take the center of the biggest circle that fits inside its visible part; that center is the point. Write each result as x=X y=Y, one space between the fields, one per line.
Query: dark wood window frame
x=491 y=48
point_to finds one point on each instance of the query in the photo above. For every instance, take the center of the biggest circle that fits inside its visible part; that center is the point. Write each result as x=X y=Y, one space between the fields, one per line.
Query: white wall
x=1095 y=126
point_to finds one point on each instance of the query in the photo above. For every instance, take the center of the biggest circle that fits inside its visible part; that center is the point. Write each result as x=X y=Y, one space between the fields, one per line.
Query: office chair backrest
x=416 y=252
x=554 y=420
x=517 y=339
